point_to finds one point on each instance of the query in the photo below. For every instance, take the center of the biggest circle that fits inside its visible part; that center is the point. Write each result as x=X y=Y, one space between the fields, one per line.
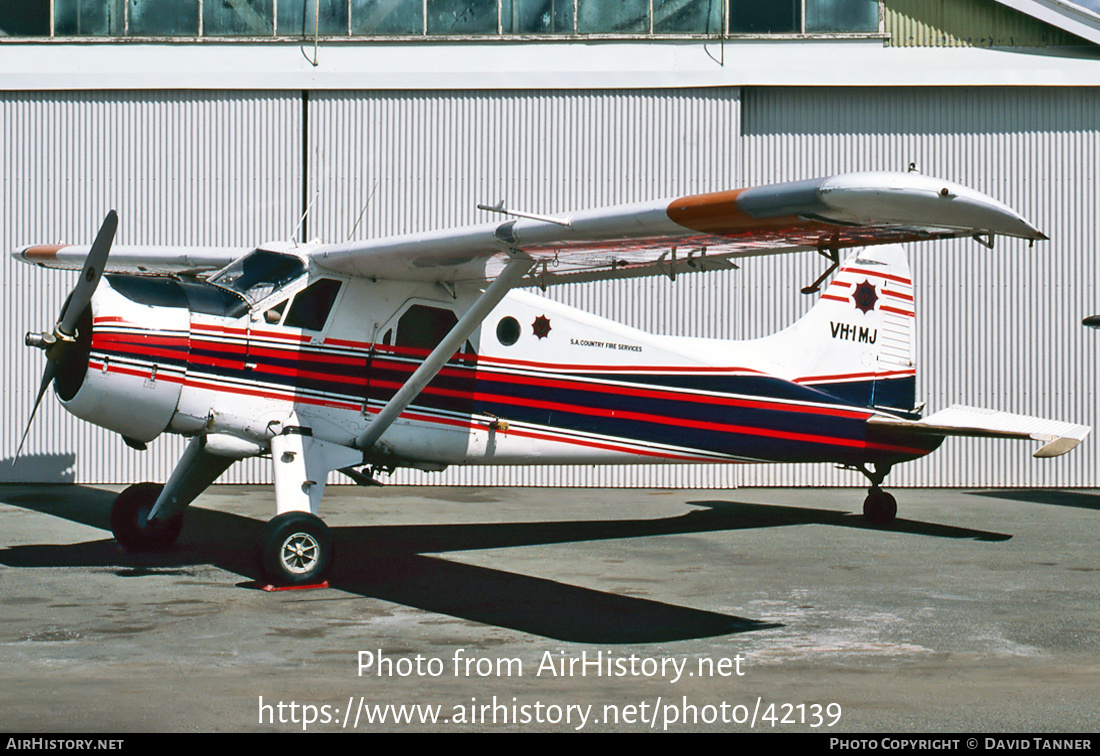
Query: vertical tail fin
x=856 y=343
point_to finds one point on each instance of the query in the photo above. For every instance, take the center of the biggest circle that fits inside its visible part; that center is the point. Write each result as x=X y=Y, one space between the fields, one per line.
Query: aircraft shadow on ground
x=397 y=562
x=1053 y=496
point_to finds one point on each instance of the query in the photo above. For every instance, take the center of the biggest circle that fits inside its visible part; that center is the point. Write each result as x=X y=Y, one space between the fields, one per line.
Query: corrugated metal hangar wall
x=996 y=328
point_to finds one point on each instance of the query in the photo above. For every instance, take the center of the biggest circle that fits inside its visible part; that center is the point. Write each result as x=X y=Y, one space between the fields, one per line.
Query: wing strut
x=513 y=272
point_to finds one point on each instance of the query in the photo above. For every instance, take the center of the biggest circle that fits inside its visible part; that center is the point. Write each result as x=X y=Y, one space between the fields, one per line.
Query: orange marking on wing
x=42 y=252
x=718 y=213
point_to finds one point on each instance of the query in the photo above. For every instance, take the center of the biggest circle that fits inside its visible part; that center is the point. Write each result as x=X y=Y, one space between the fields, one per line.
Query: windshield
x=258 y=274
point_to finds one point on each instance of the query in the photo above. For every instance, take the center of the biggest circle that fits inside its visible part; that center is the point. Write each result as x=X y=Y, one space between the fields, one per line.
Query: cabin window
x=508 y=331
x=312 y=305
x=423 y=327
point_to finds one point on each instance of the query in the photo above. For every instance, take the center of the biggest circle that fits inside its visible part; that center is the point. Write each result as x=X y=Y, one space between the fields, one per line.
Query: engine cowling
x=130 y=360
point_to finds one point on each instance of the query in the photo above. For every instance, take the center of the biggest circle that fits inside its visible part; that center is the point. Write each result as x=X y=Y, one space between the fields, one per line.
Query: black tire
x=297 y=549
x=129 y=524
x=880 y=508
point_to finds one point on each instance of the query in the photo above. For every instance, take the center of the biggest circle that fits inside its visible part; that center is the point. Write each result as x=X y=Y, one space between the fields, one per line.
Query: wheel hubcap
x=300 y=553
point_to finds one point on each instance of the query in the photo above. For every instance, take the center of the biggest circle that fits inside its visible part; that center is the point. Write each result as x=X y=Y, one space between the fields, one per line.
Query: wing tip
x=1057 y=447
x=38 y=254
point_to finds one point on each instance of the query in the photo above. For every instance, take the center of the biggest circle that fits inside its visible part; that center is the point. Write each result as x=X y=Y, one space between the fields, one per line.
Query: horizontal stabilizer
x=958 y=420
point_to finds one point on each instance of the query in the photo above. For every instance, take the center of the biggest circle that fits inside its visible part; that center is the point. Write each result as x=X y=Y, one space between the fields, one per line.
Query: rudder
x=856 y=342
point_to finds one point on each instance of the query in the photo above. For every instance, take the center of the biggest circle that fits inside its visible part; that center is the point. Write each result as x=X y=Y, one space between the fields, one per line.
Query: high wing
x=690 y=234
x=694 y=233
x=182 y=261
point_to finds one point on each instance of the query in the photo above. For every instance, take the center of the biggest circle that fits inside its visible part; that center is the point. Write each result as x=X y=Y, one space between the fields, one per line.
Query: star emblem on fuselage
x=541 y=326
x=865 y=296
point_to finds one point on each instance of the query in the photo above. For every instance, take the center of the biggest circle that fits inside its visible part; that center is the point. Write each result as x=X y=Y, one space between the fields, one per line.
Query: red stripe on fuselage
x=853 y=376
x=413 y=414
x=644 y=417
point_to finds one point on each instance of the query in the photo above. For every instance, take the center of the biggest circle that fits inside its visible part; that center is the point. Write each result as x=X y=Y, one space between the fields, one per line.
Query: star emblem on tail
x=865 y=296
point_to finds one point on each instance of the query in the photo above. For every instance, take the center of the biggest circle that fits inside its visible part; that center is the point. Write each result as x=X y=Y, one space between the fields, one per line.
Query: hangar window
x=387 y=17
x=304 y=18
x=156 y=18
x=536 y=17
x=437 y=19
x=802 y=16
x=30 y=18
x=88 y=18
x=239 y=18
x=626 y=17
x=458 y=17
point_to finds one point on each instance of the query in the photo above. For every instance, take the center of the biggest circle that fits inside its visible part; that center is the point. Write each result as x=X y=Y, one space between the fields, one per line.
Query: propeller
x=58 y=342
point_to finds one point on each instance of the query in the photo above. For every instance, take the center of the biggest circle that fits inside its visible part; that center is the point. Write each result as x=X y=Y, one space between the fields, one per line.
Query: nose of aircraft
x=63 y=344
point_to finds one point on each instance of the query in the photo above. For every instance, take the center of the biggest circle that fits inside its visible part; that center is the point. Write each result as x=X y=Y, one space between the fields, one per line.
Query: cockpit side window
x=275 y=314
x=258 y=274
x=311 y=307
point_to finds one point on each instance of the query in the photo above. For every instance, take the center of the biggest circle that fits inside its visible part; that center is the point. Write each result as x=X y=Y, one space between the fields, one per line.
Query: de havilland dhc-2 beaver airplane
x=425 y=350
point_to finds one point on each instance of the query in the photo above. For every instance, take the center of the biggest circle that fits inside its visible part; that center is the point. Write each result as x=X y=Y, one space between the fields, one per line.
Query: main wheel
x=130 y=523
x=879 y=508
x=297 y=549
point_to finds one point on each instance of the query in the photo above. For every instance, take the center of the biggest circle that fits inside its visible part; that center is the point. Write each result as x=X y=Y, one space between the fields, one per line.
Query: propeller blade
x=65 y=329
x=94 y=264
x=47 y=378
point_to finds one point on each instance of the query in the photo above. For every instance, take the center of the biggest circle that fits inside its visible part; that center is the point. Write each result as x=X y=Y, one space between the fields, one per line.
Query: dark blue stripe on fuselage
x=664 y=419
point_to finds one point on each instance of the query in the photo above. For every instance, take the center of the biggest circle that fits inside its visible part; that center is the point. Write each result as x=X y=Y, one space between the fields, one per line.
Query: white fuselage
x=538 y=382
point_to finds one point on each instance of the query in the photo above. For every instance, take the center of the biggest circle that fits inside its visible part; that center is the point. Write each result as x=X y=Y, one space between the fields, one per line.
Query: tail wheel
x=879 y=508
x=130 y=520
x=296 y=549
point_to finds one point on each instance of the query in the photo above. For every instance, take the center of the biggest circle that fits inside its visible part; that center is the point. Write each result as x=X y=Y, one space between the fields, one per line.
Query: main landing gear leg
x=297 y=547
x=879 y=508
x=149 y=516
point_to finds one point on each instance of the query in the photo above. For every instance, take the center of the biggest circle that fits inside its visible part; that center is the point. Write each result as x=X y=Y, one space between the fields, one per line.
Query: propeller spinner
x=60 y=342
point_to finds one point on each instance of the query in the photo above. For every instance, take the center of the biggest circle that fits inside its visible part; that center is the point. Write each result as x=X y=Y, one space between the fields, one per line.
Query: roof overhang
x=616 y=64
x=1066 y=16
